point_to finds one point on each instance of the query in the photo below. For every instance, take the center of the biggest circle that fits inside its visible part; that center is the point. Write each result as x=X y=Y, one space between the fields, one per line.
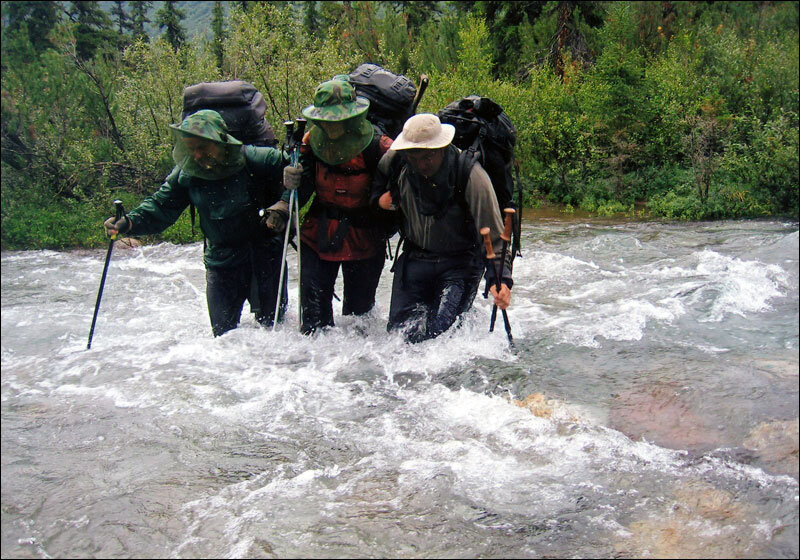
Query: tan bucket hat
x=424 y=130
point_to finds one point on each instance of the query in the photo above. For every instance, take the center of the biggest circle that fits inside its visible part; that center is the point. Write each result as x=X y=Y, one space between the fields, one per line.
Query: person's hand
x=292 y=177
x=276 y=216
x=386 y=202
x=114 y=226
x=503 y=299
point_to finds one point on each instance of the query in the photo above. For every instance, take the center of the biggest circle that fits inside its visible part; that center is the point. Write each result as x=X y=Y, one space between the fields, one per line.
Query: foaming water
x=661 y=361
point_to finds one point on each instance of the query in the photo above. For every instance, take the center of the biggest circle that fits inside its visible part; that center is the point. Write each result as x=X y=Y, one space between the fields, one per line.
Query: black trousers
x=256 y=280
x=430 y=292
x=318 y=278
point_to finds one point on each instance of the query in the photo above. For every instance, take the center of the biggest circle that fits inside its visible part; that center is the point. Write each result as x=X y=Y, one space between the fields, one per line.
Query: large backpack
x=241 y=105
x=485 y=134
x=391 y=96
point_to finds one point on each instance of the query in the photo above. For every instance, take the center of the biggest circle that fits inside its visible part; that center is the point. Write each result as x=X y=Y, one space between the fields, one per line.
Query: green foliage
x=689 y=107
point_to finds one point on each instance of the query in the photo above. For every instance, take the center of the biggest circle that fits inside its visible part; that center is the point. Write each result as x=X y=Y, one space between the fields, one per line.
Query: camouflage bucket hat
x=206 y=124
x=222 y=155
x=335 y=100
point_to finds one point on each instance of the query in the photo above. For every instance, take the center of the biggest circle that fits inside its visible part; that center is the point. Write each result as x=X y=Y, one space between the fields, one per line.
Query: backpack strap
x=466 y=161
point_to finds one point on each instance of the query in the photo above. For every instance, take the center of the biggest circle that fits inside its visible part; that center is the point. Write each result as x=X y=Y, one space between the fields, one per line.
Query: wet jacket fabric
x=342 y=195
x=227 y=208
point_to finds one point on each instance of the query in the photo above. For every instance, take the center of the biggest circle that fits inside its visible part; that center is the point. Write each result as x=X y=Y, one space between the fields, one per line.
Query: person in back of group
x=338 y=158
x=227 y=183
x=438 y=273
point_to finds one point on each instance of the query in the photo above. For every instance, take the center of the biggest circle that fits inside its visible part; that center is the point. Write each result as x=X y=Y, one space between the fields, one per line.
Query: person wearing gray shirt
x=441 y=265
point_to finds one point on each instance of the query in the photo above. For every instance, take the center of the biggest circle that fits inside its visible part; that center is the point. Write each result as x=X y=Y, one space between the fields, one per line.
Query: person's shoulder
x=479 y=180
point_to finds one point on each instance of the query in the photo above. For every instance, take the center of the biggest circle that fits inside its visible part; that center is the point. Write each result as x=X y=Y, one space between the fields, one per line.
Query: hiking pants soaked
x=317 y=281
x=256 y=280
x=430 y=292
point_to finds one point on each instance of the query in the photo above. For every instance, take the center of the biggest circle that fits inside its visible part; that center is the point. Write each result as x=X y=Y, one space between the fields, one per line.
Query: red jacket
x=344 y=190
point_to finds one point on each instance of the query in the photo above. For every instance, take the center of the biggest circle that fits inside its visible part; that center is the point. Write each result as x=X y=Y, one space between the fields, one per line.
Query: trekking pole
x=490 y=256
x=120 y=213
x=299 y=130
x=506 y=237
x=293 y=138
x=289 y=130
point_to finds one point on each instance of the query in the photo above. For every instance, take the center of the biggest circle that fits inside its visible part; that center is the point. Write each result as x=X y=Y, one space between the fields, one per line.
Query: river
x=648 y=409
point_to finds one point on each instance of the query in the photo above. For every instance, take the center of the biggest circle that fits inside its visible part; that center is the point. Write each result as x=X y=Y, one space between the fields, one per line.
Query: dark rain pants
x=318 y=278
x=430 y=292
x=228 y=288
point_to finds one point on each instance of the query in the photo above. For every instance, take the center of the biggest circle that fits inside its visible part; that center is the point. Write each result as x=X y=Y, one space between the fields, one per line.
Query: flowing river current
x=648 y=409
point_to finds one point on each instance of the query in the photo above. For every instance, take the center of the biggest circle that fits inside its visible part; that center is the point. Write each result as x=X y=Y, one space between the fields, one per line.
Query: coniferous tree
x=169 y=17
x=218 y=27
x=568 y=37
x=40 y=17
x=139 y=19
x=124 y=22
x=92 y=28
x=504 y=20
x=416 y=13
x=310 y=18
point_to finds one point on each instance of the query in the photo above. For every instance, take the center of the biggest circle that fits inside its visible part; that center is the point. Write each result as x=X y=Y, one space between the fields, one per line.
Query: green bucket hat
x=340 y=129
x=208 y=125
x=335 y=100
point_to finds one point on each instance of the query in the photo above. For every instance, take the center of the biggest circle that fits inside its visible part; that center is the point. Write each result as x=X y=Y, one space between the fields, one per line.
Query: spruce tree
x=124 y=22
x=139 y=19
x=40 y=17
x=218 y=27
x=169 y=17
x=92 y=28
x=310 y=18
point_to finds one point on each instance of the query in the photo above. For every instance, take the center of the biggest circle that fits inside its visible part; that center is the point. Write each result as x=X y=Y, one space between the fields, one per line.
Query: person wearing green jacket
x=227 y=183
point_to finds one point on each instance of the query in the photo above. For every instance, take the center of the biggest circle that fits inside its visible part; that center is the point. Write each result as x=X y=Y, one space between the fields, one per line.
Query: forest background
x=664 y=110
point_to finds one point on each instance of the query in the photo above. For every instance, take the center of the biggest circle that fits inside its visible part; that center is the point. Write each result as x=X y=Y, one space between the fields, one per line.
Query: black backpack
x=391 y=97
x=485 y=134
x=241 y=105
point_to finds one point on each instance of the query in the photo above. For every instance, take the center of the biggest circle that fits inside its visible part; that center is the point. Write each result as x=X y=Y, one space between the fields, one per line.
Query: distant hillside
x=198 y=16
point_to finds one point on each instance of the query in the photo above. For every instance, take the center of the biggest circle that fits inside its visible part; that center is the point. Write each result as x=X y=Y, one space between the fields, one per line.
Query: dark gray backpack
x=241 y=105
x=391 y=97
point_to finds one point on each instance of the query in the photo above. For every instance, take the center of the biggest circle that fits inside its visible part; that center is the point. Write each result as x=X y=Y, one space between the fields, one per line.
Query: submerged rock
x=127 y=243
x=776 y=444
x=537 y=404
x=702 y=522
x=659 y=413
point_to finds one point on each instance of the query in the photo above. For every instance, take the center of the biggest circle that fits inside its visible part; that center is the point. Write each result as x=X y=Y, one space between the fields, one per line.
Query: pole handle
x=120 y=210
x=487 y=242
x=423 y=85
x=300 y=129
x=508 y=224
x=289 y=130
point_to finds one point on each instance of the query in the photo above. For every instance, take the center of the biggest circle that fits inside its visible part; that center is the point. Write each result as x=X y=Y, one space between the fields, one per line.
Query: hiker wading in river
x=338 y=159
x=226 y=182
x=441 y=265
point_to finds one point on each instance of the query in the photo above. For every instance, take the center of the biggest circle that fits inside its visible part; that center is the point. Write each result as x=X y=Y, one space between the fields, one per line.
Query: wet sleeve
x=485 y=209
x=160 y=210
x=267 y=165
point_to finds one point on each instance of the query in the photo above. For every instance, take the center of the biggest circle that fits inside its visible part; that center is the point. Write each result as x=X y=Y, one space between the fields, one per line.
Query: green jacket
x=227 y=208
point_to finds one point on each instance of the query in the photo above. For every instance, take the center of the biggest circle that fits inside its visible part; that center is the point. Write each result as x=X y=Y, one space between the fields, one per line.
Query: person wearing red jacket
x=338 y=159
